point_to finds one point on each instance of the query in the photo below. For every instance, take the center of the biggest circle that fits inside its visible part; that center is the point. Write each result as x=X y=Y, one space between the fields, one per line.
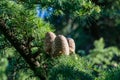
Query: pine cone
x=71 y=44
x=60 y=46
x=49 y=38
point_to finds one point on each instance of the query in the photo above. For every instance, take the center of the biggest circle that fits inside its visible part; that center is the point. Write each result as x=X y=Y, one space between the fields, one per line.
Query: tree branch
x=21 y=48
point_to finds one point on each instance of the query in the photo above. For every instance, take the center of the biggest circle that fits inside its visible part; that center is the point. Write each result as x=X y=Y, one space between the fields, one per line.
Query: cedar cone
x=60 y=46
x=49 y=38
x=71 y=44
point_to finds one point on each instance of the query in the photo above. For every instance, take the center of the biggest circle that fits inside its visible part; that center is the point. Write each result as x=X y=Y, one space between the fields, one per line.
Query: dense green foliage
x=94 y=25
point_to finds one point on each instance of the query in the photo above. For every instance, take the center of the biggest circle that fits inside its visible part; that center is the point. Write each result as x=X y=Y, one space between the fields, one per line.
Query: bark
x=21 y=48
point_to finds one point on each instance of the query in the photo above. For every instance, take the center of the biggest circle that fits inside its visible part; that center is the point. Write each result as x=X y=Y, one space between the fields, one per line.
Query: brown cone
x=60 y=46
x=49 y=38
x=71 y=44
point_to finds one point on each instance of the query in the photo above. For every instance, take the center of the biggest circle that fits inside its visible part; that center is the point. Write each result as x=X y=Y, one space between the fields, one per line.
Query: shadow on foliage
x=112 y=74
x=68 y=73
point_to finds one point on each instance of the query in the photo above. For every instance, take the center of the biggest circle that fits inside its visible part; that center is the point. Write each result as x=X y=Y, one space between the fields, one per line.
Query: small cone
x=60 y=46
x=71 y=44
x=49 y=38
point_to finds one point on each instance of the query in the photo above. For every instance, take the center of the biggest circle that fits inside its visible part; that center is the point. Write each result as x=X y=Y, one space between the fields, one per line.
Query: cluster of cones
x=57 y=45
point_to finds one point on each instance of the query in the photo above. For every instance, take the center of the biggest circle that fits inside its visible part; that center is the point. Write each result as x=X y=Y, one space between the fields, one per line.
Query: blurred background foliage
x=93 y=24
